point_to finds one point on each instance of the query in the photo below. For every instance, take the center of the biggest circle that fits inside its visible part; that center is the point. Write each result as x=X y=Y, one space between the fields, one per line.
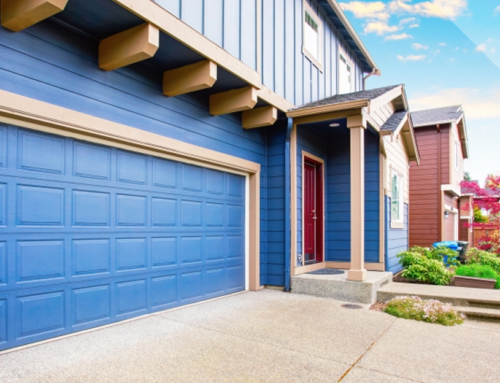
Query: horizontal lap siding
x=275 y=263
x=285 y=69
x=338 y=211
x=230 y=24
x=338 y=197
x=372 y=197
x=397 y=239
x=52 y=64
x=425 y=190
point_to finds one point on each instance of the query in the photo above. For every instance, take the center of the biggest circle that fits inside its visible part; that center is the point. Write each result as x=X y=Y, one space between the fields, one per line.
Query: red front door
x=310 y=213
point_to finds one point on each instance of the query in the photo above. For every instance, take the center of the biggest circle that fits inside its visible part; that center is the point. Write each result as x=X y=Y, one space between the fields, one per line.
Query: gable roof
x=394 y=122
x=437 y=116
x=364 y=95
x=446 y=115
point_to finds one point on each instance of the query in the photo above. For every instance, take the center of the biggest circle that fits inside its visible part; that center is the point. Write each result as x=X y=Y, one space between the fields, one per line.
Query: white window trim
x=318 y=62
x=398 y=223
x=343 y=53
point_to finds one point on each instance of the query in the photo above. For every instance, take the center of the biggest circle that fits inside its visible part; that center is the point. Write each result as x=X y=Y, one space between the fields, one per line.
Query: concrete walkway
x=266 y=336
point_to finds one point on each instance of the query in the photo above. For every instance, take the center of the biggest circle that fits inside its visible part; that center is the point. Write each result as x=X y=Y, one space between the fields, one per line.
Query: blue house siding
x=275 y=263
x=372 y=197
x=312 y=140
x=55 y=65
x=397 y=239
x=282 y=25
x=230 y=24
x=338 y=197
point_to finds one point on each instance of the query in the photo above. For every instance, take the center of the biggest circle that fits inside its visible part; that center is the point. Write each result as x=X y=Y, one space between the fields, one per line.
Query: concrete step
x=458 y=296
x=480 y=313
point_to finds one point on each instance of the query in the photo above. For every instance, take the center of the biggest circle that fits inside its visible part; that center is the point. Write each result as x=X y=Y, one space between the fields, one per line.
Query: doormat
x=327 y=271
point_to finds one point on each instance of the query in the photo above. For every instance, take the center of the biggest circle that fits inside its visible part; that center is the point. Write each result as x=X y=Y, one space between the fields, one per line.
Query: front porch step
x=459 y=296
x=339 y=288
x=480 y=313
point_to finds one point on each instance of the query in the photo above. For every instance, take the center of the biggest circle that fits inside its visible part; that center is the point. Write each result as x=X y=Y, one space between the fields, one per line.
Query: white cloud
x=434 y=8
x=401 y=36
x=407 y=20
x=481 y=47
x=414 y=26
x=493 y=50
x=380 y=28
x=442 y=44
x=418 y=47
x=478 y=104
x=366 y=10
x=497 y=10
x=412 y=58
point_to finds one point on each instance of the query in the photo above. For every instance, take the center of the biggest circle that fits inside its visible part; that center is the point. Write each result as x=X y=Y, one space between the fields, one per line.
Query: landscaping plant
x=426 y=265
x=479 y=271
x=431 y=311
x=482 y=257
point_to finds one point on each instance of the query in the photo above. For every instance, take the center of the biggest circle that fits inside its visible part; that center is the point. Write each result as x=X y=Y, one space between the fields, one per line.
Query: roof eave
x=348 y=105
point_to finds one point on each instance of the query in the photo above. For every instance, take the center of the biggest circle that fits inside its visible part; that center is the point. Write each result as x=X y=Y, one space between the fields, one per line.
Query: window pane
x=311 y=40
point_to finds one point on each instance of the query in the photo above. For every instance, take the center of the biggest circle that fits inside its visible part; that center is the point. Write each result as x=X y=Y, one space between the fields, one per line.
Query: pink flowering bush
x=431 y=310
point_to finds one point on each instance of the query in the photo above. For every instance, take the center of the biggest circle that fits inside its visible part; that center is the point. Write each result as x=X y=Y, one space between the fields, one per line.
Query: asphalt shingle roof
x=393 y=122
x=436 y=116
x=355 y=96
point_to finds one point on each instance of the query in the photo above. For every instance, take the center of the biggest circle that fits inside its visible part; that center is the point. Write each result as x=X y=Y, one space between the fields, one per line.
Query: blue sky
x=446 y=52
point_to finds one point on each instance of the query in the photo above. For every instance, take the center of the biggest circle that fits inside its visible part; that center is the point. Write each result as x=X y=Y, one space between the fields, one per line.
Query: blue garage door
x=91 y=235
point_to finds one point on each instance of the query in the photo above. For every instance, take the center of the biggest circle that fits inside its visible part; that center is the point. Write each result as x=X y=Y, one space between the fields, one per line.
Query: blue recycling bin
x=453 y=245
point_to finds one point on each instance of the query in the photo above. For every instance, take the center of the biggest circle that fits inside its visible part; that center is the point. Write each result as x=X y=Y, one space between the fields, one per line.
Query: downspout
x=373 y=72
x=288 y=254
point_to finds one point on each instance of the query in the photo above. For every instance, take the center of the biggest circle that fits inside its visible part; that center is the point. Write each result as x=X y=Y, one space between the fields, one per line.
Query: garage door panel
x=93 y=234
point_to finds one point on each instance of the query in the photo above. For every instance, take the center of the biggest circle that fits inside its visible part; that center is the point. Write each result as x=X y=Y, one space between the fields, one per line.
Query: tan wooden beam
x=189 y=78
x=236 y=100
x=128 y=47
x=259 y=117
x=21 y=14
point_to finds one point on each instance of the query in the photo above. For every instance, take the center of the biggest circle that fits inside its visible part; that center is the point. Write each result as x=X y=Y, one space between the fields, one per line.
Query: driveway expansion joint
x=366 y=351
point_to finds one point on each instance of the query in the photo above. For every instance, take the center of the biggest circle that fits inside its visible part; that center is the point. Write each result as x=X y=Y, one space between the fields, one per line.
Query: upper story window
x=346 y=75
x=397 y=197
x=312 y=36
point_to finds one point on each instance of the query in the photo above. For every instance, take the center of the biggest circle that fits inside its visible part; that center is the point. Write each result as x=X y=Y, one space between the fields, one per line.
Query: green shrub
x=426 y=265
x=479 y=271
x=481 y=257
x=431 y=311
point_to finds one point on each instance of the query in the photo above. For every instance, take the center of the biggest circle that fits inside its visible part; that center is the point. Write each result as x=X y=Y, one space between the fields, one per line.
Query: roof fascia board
x=401 y=124
x=411 y=147
x=464 y=140
x=323 y=109
x=343 y=19
x=437 y=123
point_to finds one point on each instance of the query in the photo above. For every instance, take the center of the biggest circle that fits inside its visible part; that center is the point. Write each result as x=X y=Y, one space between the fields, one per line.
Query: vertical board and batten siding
x=50 y=63
x=333 y=147
x=425 y=190
x=284 y=68
x=230 y=24
x=275 y=252
x=396 y=239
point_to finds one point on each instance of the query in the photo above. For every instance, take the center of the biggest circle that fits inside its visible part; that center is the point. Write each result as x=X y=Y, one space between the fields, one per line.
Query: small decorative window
x=396 y=198
x=346 y=83
x=312 y=36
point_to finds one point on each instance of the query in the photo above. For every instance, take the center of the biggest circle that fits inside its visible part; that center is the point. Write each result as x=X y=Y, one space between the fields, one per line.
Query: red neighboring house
x=435 y=193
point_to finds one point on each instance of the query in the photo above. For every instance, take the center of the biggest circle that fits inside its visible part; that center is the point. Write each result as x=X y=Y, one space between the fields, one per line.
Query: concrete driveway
x=266 y=336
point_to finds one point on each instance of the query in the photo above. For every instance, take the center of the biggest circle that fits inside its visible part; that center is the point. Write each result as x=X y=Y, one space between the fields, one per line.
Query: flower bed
x=431 y=310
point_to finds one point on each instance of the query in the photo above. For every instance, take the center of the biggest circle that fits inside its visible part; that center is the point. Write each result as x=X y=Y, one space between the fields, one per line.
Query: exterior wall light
x=334 y=125
x=446 y=214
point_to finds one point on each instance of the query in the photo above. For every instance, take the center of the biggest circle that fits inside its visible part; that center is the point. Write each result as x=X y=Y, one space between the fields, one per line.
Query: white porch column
x=357 y=132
